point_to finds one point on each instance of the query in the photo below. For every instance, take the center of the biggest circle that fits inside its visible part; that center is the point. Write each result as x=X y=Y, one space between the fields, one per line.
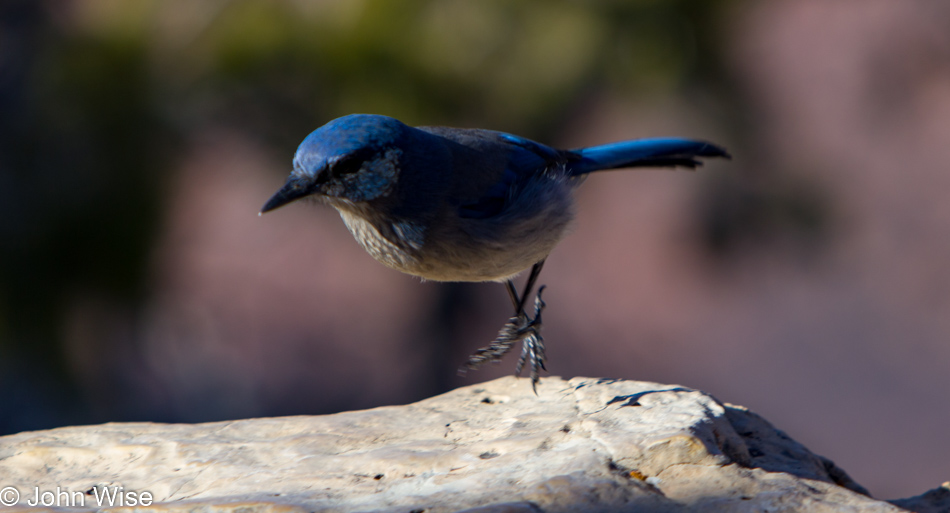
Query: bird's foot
x=532 y=345
x=518 y=328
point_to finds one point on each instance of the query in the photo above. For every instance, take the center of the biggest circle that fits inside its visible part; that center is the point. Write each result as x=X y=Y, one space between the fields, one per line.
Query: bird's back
x=506 y=207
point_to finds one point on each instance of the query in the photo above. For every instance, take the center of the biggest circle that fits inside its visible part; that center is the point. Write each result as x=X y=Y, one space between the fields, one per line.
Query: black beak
x=294 y=189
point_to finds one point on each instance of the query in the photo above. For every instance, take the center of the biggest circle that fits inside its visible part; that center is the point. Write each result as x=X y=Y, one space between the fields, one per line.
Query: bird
x=463 y=204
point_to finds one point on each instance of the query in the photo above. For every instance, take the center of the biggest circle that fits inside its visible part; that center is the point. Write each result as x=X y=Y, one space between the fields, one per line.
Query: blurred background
x=807 y=279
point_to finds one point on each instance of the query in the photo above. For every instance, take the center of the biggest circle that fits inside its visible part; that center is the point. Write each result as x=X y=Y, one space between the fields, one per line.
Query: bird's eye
x=348 y=164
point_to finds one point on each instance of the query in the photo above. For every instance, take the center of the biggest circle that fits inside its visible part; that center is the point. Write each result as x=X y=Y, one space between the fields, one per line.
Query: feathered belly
x=462 y=249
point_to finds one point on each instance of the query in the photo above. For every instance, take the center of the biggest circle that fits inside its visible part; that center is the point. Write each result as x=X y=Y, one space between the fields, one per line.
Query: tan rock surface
x=579 y=445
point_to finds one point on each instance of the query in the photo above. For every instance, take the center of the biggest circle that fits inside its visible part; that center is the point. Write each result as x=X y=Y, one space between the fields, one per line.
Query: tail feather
x=644 y=153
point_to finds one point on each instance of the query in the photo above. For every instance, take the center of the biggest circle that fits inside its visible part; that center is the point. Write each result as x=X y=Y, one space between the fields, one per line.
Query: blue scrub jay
x=454 y=204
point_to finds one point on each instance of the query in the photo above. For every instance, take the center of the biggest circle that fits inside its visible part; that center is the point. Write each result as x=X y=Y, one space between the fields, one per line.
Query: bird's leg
x=532 y=278
x=519 y=327
x=506 y=337
x=532 y=345
x=513 y=295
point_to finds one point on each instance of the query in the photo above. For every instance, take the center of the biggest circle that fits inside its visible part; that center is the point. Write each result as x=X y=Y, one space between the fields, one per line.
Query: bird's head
x=352 y=159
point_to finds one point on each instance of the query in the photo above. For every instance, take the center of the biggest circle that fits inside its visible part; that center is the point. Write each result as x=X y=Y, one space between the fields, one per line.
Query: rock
x=579 y=445
x=933 y=501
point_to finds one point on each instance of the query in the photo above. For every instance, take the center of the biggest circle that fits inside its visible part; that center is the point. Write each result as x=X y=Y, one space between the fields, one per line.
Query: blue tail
x=644 y=153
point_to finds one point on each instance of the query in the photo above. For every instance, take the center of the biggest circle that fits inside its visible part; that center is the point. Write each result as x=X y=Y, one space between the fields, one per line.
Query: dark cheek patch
x=375 y=178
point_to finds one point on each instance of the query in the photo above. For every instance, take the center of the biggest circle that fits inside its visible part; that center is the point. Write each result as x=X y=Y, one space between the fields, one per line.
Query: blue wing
x=524 y=158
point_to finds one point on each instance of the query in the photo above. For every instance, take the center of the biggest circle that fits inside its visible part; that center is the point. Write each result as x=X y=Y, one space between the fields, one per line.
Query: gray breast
x=398 y=250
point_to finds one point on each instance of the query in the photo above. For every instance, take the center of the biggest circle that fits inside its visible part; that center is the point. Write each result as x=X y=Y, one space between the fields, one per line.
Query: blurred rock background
x=807 y=279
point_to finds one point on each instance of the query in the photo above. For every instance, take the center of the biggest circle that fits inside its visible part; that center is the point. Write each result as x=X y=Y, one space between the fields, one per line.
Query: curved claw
x=521 y=328
x=510 y=333
x=532 y=346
